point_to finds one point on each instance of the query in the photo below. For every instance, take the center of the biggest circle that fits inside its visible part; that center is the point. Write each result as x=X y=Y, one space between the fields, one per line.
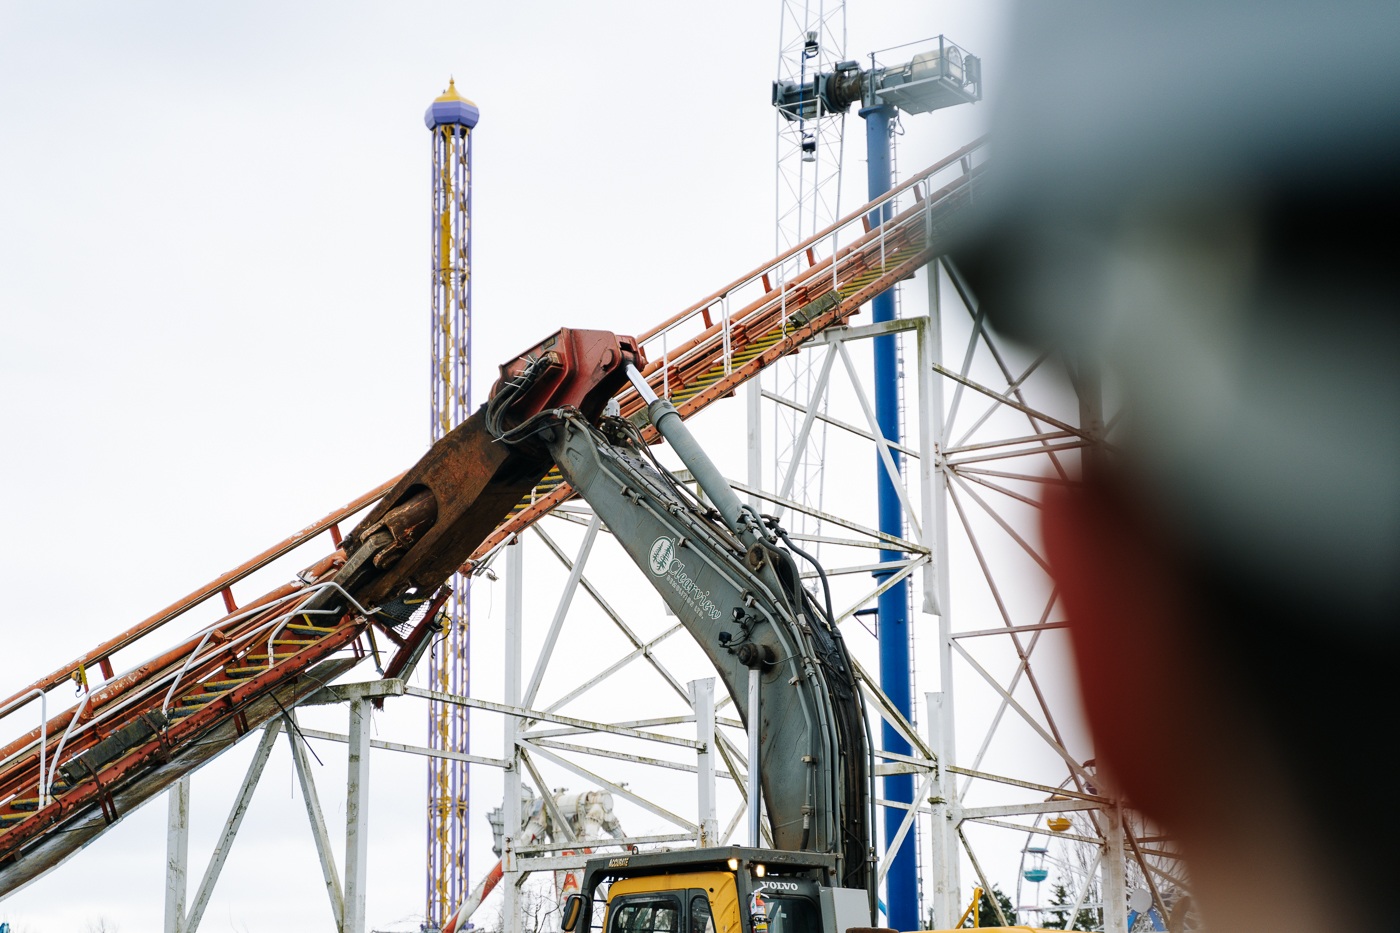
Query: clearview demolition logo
x=663 y=563
x=662 y=553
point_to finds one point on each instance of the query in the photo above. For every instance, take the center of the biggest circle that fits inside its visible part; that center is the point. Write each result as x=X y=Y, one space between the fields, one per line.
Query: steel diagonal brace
x=616 y=617
x=1074 y=766
x=561 y=825
x=312 y=800
x=232 y=825
x=905 y=569
x=911 y=811
x=910 y=452
x=982 y=877
x=800 y=444
x=540 y=715
x=891 y=714
x=555 y=744
x=640 y=651
x=877 y=537
x=565 y=600
x=1035 y=830
x=614 y=788
x=883 y=447
x=1013 y=403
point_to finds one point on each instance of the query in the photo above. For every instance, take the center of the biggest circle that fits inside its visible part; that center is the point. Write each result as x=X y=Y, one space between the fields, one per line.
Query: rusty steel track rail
x=95 y=657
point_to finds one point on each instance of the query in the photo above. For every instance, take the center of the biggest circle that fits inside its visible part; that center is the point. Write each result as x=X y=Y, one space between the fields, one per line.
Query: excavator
x=732 y=579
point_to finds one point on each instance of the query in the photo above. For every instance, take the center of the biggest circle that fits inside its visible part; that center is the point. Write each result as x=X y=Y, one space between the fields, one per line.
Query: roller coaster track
x=67 y=777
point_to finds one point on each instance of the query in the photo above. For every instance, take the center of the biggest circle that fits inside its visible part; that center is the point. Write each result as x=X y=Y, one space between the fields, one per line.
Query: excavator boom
x=730 y=581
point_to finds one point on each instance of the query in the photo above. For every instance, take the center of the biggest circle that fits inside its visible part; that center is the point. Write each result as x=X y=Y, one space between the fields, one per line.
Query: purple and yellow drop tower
x=450 y=118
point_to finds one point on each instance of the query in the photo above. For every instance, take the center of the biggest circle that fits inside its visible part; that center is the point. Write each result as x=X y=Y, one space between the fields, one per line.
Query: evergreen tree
x=1056 y=917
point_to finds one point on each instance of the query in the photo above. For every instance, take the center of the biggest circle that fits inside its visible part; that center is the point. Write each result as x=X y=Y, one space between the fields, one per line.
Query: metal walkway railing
x=708 y=350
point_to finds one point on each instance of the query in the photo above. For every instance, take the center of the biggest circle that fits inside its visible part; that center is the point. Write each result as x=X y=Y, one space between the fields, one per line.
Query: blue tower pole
x=901 y=882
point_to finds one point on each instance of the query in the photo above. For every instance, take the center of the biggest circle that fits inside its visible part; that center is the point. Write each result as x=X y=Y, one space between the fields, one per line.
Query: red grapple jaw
x=468 y=482
x=581 y=369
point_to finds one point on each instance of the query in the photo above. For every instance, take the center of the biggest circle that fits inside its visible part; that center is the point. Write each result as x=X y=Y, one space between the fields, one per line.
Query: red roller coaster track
x=73 y=774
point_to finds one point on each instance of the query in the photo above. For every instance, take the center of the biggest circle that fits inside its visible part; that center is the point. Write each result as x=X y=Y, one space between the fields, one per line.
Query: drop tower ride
x=450 y=118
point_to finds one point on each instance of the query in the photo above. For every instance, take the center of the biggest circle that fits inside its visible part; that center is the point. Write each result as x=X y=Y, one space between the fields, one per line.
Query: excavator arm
x=726 y=574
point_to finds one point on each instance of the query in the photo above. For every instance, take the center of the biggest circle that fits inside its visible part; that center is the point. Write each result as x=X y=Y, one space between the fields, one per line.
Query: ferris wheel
x=1060 y=881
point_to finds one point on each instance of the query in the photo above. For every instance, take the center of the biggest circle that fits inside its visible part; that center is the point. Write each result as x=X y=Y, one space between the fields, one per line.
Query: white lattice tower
x=812 y=39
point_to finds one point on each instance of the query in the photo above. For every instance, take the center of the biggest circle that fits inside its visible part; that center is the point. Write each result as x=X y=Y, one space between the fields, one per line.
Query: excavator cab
x=696 y=902
x=720 y=890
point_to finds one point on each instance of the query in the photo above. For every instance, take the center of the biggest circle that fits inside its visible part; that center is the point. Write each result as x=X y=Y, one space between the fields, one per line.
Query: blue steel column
x=901 y=882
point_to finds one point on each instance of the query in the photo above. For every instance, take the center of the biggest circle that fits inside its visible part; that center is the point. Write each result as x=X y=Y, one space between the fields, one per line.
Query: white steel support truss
x=600 y=688
x=177 y=919
x=296 y=739
x=348 y=903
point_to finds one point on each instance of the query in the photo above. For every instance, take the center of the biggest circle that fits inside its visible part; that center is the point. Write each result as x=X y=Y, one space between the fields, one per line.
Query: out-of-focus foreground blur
x=1195 y=206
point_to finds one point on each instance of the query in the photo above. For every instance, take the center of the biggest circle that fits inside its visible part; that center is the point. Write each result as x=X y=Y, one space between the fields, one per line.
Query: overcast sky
x=213 y=290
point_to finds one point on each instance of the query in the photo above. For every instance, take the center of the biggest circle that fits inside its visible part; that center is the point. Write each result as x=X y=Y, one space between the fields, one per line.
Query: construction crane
x=940 y=77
